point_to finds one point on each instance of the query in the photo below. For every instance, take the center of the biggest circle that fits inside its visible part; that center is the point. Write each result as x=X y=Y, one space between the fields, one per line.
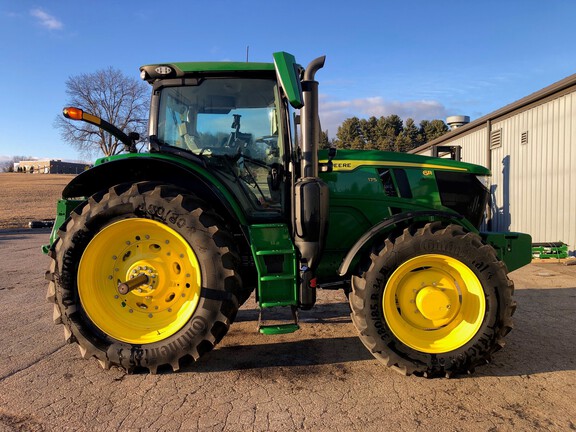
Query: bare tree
x=8 y=165
x=112 y=96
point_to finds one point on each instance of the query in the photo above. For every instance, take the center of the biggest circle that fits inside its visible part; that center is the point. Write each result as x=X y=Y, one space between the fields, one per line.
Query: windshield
x=233 y=124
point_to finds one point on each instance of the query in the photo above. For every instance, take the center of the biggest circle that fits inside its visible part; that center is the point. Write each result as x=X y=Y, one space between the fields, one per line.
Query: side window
x=395 y=182
x=403 y=183
x=167 y=124
x=387 y=182
x=234 y=125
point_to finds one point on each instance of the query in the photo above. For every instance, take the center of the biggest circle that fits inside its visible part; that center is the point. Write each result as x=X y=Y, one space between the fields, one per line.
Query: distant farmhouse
x=50 y=167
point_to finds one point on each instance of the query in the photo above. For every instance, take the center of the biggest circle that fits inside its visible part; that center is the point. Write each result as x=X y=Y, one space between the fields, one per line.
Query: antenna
x=247 y=51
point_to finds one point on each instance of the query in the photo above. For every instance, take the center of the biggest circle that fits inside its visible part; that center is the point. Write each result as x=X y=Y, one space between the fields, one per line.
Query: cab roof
x=153 y=72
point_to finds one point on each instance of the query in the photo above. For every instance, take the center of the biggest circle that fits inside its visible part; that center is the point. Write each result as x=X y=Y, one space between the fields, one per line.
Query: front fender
x=377 y=229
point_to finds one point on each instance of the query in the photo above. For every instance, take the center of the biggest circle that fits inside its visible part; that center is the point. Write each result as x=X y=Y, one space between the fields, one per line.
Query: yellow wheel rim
x=154 y=310
x=434 y=303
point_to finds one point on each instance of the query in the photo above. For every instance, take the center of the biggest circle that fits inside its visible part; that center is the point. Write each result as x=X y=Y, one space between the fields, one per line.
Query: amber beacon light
x=73 y=113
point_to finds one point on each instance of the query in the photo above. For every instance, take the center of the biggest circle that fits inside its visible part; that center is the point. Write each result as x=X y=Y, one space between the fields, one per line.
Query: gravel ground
x=320 y=378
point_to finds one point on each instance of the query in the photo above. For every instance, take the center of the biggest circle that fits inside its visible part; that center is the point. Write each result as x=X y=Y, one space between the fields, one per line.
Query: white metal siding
x=540 y=173
x=474 y=147
x=533 y=184
x=427 y=152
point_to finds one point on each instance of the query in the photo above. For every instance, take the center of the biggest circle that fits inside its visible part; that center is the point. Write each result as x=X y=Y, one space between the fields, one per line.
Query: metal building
x=50 y=167
x=529 y=146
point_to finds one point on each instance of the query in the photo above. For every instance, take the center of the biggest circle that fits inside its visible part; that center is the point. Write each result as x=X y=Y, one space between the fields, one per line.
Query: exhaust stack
x=311 y=205
x=309 y=119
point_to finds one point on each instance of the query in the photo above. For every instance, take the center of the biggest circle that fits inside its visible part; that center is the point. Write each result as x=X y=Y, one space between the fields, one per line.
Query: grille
x=463 y=193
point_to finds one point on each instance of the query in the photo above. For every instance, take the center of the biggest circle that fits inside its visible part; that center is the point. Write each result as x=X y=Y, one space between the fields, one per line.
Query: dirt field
x=27 y=197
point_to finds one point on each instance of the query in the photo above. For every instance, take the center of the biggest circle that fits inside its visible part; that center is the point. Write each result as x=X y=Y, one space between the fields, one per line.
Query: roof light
x=163 y=70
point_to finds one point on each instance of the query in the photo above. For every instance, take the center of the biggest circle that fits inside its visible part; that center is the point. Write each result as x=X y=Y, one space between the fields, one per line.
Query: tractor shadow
x=543 y=340
x=309 y=352
x=327 y=336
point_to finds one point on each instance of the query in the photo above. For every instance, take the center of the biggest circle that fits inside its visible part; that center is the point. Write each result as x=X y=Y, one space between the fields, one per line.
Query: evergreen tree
x=324 y=141
x=387 y=133
x=357 y=144
x=432 y=129
x=388 y=128
x=402 y=143
x=411 y=131
x=348 y=133
x=369 y=132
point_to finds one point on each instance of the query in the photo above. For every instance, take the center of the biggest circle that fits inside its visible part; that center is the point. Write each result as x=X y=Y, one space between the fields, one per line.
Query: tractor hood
x=349 y=160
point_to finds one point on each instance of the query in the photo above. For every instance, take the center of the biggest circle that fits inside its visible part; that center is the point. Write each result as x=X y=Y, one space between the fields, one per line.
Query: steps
x=275 y=259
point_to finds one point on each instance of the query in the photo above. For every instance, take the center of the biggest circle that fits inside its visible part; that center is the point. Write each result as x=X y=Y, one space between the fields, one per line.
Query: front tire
x=434 y=301
x=188 y=298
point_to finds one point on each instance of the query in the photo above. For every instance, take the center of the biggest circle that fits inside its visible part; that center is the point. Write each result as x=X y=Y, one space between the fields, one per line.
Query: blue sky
x=423 y=59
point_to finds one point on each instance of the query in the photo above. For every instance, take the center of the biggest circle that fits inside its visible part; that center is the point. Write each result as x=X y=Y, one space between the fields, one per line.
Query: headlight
x=485 y=180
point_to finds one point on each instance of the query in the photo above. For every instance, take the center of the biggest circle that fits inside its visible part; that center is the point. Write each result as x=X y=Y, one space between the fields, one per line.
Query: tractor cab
x=234 y=123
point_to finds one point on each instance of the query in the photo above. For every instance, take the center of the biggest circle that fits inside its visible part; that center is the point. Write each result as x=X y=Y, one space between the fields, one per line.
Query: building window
x=496 y=138
x=524 y=138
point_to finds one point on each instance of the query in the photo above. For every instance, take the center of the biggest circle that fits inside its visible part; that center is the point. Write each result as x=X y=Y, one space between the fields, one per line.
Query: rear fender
x=145 y=168
x=195 y=179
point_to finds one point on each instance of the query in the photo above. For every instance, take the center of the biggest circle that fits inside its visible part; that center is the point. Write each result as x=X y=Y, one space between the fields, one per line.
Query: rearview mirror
x=288 y=72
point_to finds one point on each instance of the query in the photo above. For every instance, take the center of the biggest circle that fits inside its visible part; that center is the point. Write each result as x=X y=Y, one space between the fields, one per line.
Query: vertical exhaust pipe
x=311 y=205
x=309 y=119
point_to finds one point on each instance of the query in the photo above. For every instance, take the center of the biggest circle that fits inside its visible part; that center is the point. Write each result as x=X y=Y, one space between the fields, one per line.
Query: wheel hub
x=433 y=303
x=142 y=269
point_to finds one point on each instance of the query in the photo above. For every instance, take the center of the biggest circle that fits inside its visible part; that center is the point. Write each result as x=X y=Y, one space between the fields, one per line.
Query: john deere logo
x=427 y=172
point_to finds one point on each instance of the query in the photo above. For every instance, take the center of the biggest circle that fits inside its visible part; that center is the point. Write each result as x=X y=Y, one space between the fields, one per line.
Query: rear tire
x=189 y=299
x=434 y=301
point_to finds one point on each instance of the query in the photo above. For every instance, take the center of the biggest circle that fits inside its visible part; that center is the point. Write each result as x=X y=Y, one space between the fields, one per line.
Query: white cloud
x=333 y=113
x=46 y=20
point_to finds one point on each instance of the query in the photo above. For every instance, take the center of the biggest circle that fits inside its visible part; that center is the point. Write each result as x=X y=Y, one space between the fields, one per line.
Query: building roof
x=560 y=88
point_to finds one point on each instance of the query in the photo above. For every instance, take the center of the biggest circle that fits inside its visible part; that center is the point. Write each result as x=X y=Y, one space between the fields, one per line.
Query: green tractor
x=153 y=253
